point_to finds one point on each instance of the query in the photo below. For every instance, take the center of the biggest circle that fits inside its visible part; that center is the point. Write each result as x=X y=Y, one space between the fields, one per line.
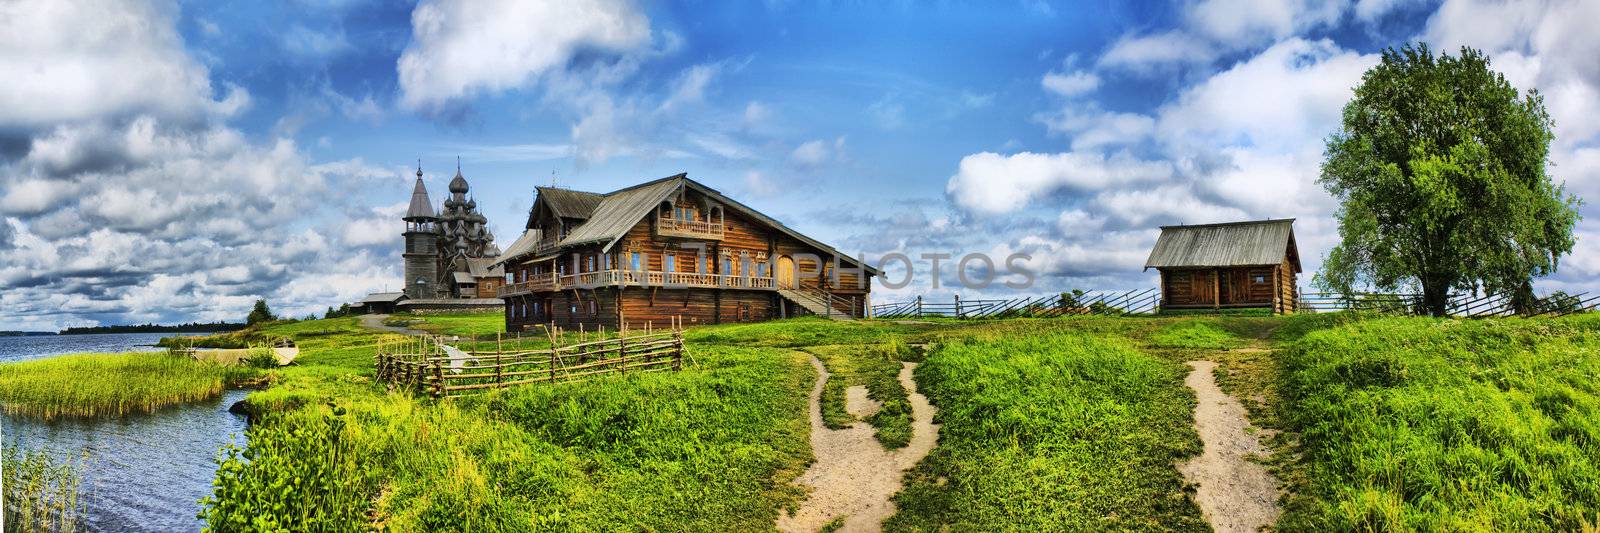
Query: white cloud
x=1289 y=94
x=756 y=115
x=1142 y=53
x=757 y=184
x=1070 y=84
x=72 y=61
x=691 y=85
x=815 y=153
x=448 y=59
x=995 y=184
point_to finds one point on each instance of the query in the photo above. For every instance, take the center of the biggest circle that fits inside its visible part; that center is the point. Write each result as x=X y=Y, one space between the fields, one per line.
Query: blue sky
x=174 y=161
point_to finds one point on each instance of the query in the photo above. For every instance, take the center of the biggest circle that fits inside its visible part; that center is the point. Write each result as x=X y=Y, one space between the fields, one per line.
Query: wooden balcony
x=545 y=245
x=637 y=278
x=689 y=229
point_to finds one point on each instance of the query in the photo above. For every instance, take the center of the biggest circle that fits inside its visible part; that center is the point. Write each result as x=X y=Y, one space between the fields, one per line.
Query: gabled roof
x=484 y=267
x=421 y=207
x=620 y=210
x=524 y=245
x=567 y=203
x=464 y=278
x=1254 y=243
x=384 y=297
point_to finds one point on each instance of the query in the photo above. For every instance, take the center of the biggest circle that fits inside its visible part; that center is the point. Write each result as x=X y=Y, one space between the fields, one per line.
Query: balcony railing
x=692 y=229
x=636 y=278
x=545 y=245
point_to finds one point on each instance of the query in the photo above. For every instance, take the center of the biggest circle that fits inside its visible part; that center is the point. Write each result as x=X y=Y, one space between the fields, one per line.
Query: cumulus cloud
x=815 y=153
x=72 y=61
x=1212 y=29
x=132 y=200
x=528 y=39
x=992 y=183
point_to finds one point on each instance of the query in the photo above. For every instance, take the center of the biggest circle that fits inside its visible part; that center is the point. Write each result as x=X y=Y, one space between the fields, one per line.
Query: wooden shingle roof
x=1253 y=243
x=619 y=211
x=567 y=203
x=420 y=207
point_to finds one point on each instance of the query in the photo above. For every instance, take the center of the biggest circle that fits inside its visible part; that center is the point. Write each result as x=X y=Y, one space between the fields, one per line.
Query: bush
x=299 y=474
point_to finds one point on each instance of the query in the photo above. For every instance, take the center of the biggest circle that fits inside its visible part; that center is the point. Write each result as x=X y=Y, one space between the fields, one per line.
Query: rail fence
x=1148 y=302
x=438 y=367
x=1460 y=305
x=1115 y=303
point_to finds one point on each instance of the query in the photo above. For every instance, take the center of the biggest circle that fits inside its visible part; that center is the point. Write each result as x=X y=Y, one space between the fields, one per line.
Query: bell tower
x=422 y=244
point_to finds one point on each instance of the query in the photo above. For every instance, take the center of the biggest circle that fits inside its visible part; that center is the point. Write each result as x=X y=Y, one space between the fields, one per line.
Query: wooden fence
x=1114 y=303
x=1460 y=305
x=432 y=365
x=1148 y=301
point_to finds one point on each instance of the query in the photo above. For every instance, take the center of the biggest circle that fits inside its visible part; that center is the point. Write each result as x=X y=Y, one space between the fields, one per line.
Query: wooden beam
x=1216 y=289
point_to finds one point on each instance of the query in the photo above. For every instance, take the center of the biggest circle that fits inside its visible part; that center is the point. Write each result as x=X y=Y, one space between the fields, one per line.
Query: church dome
x=458 y=184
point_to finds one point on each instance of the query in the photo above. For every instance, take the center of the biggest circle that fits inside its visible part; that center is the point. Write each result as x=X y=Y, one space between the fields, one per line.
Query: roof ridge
x=1234 y=223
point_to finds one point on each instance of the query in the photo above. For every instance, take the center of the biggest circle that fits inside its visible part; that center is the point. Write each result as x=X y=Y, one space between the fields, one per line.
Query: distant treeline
x=24 y=333
x=194 y=327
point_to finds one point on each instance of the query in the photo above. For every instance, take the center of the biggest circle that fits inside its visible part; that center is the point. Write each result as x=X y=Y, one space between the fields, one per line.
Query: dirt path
x=854 y=477
x=1235 y=494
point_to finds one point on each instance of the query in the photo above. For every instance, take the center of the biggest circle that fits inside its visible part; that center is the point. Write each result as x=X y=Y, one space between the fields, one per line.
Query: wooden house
x=667 y=249
x=1235 y=264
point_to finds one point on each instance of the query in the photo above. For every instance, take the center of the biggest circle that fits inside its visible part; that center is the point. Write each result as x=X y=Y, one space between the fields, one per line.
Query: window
x=704 y=265
x=1258 y=278
x=636 y=261
x=590 y=263
x=727 y=265
x=761 y=269
x=594 y=308
x=669 y=261
x=608 y=262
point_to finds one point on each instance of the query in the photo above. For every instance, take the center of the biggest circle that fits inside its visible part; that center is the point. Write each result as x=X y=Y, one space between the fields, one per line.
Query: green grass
x=1195 y=334
x=1424 y=424
x=93 y=385
x=1049 y=430
x=877 y=367
x=709 y=448
x=39 y=493
x=481 y=325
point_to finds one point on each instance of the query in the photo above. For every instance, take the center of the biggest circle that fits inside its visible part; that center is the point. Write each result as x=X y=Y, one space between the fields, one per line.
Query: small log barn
x=665 y=250
x=1228 y=265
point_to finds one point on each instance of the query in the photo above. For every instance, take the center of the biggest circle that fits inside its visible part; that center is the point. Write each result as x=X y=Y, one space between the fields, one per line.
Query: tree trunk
x=1436 y=298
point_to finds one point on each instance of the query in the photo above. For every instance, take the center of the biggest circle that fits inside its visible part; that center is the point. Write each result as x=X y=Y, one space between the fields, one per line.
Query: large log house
x=1234 y=264
x=668 y=249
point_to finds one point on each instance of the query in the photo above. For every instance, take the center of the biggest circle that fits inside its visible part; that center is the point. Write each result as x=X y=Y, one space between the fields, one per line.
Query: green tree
x=1440 y=171
x=260 y=313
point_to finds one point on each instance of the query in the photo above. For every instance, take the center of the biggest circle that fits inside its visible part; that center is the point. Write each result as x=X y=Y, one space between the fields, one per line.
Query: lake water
x=140 y=472
x=34 y=347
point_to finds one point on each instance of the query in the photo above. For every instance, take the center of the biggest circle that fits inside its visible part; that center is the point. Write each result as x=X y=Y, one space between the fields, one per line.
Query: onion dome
x=458 y=184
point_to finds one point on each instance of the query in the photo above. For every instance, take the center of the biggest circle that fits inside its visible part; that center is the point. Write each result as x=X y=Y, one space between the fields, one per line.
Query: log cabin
x=664 y=250
x=1228 y=265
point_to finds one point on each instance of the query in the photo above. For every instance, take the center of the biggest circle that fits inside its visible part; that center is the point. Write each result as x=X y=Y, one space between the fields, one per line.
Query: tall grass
x=1051 y=430
x=40 y=494
x=710 y=448
x=1425 y=424
x=92 y=385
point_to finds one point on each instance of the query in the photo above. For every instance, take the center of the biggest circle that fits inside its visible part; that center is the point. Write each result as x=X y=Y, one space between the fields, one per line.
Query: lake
x=140 y=472
x=36 y=346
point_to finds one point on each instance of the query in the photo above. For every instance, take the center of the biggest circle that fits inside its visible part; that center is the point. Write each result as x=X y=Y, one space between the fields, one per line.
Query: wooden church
x=664 y=250
x=1228 y=265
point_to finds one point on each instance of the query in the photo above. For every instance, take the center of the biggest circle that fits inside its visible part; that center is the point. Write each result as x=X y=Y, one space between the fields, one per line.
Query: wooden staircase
x=814 y=301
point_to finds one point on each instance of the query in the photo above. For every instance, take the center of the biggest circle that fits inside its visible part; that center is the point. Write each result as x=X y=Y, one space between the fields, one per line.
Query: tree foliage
x=1440 y=168
x=260 y=313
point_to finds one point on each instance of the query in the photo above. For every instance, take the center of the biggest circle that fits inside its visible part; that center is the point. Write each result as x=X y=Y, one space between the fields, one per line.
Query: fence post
x=958 y=305
x=438 y=380
x=919 y=306
x=622 y=355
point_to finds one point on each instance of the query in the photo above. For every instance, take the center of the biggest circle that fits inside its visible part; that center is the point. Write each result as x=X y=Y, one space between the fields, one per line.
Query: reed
x=40 y=494
x=109 y=385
